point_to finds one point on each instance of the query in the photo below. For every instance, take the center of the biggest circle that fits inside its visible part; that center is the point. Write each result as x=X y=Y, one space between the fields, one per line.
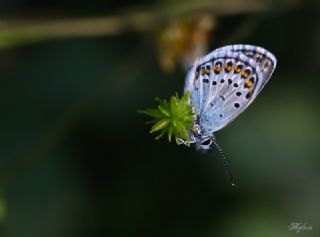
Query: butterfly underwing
x=222 y=85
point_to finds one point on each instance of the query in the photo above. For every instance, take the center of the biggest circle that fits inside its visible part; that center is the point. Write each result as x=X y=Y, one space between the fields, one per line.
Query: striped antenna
x=225 y=164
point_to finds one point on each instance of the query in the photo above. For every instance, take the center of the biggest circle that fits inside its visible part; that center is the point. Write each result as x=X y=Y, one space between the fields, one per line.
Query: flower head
x=173 y=117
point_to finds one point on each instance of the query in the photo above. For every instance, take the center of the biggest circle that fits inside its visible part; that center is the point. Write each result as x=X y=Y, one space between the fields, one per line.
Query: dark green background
x=77 y=160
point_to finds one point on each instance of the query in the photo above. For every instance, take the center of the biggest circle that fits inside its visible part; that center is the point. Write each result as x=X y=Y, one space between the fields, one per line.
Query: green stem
x=15 y=32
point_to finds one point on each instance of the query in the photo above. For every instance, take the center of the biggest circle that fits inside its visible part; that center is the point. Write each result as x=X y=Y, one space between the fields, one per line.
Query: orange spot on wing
x=238 y=69
x=205 y=72
x=248 y=83
x=228 y=68
x=244 y=74
x=217 y=69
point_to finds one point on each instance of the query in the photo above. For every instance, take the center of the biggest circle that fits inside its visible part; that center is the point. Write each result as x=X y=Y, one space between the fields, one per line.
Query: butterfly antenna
x=225 y=164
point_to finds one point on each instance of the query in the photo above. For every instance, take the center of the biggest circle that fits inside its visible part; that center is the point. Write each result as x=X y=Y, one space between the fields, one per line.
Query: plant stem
x=19 y=31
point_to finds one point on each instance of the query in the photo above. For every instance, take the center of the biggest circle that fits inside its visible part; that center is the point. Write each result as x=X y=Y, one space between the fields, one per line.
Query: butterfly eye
x=207 y=142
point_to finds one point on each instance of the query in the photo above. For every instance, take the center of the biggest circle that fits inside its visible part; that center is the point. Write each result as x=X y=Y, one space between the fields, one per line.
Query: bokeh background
x=76 y=159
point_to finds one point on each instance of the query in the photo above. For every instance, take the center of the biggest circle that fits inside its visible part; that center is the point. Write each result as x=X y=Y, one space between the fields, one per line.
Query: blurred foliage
x=3 y=208
x=188 y=32
x=183 y=40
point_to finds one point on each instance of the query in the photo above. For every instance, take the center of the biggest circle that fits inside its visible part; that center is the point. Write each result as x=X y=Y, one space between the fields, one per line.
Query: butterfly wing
x=264 y=60
x=224 y=83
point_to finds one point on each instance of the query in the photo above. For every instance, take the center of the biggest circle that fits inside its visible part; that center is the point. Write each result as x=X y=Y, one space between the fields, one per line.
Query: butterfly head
x=205 y=144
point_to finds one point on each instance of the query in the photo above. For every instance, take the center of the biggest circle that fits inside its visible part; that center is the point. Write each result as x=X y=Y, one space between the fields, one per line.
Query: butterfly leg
x=196 y=128
x=180 y=141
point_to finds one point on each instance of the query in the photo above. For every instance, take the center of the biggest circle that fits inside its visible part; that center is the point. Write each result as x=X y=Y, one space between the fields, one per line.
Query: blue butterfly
x=222 y=85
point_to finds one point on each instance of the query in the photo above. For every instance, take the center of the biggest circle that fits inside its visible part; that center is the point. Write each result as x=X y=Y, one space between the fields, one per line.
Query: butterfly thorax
x=202 y=141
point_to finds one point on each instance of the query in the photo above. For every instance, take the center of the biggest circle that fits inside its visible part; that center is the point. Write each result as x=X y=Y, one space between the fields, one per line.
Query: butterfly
x=222 y=84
